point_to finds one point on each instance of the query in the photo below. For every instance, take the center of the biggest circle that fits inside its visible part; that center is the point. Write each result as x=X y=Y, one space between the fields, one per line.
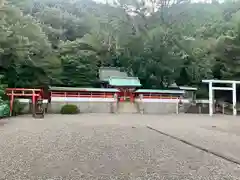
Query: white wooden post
x=210 y=99
x=234 y=96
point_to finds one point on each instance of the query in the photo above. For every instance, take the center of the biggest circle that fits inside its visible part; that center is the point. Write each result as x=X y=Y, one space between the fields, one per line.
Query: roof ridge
x=128 y=77
x=55 y=88
x=118 y=68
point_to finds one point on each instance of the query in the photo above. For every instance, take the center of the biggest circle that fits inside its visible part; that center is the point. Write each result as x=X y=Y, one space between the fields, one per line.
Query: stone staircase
x=127 y=107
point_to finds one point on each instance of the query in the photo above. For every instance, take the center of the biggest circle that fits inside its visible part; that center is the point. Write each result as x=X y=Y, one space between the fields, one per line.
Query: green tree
x=65 y=42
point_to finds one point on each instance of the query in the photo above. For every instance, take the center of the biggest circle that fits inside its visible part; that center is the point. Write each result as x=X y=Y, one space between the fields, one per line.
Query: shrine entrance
x=126 y=95
x=126 y=87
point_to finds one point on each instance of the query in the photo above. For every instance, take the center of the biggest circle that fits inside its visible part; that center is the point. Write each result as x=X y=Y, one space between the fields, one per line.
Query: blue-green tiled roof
x=83 y=89
x=160 y=91
x=124 y=81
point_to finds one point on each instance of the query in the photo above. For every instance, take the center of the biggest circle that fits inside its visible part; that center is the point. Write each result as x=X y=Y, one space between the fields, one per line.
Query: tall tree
x=160 y=41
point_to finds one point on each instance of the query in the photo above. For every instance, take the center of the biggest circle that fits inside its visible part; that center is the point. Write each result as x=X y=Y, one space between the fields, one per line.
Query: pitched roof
x=160 y=91
x=106 y=72
x=83 y=89
x=125 y=81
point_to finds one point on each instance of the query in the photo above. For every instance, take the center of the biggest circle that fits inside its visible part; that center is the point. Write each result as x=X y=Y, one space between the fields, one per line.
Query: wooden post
x=210 y=91
x=234 y=95
x=33 y=105
x=11 y=103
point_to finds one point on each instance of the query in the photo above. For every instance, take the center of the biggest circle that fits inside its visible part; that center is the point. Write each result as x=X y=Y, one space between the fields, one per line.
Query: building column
x=210 y=91
x=234 y=96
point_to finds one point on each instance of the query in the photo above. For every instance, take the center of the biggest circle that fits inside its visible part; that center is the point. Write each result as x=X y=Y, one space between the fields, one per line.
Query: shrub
x=4 y=110
x=70 y=109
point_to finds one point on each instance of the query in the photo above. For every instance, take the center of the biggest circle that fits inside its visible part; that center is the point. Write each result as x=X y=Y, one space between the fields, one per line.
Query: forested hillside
x=64 y=42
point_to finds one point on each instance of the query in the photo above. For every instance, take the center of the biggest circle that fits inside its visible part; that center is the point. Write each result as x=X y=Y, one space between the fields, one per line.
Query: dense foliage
x=62 y=42
x=70 y=109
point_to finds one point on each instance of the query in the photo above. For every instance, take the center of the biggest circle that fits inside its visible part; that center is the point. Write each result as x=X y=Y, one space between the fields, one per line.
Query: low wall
x=162 y=106
x=86 y=105
x=109 y=105
x=157 y=106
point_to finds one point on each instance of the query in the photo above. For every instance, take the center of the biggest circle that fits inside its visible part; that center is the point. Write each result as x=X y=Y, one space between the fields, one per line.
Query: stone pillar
x=141 y=105
x=115 y=103
x=177 y=108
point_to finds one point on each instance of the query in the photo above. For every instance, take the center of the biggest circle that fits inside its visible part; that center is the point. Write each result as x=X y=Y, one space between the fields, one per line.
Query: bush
x=70 y=109
x=4 y=110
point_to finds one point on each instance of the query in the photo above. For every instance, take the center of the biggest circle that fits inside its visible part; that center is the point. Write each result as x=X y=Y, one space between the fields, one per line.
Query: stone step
x=127 y=107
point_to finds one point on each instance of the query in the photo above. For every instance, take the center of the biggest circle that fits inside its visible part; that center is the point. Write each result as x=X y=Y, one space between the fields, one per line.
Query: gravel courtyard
x=105 y=146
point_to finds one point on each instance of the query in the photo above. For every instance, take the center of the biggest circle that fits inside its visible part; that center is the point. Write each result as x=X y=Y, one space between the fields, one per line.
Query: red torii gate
x=35 y=94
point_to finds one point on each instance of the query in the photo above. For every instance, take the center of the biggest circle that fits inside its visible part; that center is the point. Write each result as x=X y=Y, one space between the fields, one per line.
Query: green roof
x=106 y=72
x=160 y=91
x=125 y=81
x=83 y=89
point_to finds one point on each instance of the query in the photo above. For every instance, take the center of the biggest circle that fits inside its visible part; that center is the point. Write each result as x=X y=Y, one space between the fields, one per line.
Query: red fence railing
x=82 y=95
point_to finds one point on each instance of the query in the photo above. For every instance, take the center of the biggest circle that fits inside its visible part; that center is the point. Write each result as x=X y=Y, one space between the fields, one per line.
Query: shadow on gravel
x=218 y=154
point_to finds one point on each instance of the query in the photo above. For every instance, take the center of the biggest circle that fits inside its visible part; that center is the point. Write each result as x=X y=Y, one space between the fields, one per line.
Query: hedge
x=70 y=109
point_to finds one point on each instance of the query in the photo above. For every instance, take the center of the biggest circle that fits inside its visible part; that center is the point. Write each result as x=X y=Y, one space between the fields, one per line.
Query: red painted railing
x=159 y=97
x=82 y=95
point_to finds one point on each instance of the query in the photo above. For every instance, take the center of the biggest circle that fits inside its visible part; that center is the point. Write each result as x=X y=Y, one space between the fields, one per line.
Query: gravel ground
x=219 y=134
x=104 y=147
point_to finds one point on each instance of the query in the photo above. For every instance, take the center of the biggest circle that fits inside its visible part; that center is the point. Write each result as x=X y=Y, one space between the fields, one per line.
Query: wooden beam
x=234 y=95
x=223 y=88
x=220 y=81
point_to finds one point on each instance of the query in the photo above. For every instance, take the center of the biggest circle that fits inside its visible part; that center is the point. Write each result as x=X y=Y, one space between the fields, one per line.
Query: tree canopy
x=59 y=42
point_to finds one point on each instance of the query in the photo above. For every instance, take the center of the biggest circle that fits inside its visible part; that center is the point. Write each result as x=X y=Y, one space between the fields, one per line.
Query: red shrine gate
x=34 y=94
